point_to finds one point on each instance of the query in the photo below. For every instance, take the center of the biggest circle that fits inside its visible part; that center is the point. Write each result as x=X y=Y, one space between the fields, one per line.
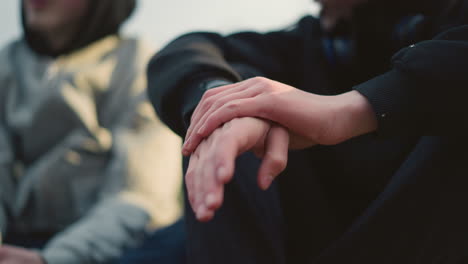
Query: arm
x=407 y=100
x=138 y=195
x=423 y=93
x=177 y=74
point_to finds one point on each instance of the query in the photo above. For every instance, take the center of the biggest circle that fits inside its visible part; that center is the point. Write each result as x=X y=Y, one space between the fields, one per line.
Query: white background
x=160 y=21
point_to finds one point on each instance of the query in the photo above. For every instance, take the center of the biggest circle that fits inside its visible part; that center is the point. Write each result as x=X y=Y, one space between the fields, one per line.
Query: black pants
x=311 y=216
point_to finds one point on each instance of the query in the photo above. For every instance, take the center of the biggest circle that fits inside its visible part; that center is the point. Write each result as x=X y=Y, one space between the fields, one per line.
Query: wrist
x=356 y=115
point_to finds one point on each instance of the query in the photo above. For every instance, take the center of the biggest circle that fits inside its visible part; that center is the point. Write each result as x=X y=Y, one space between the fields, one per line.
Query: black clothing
x=104 y=18
x=391 y=197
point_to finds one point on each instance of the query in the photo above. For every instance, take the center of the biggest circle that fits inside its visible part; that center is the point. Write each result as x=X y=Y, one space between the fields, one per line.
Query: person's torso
x=59 y=114
x=358 y=171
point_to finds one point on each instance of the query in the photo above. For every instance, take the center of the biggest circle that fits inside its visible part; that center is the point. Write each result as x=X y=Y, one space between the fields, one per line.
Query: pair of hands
x=268 y=118
x=16 y=255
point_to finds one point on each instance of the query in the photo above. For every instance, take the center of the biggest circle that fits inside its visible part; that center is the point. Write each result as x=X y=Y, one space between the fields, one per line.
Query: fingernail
x=267 y=181
x=210 y=200
x=184 y=152
x=201 y=130
x=186 y=146
x=201 y=211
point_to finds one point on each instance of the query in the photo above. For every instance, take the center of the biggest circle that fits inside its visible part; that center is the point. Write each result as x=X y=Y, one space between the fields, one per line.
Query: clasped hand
x=268 y=118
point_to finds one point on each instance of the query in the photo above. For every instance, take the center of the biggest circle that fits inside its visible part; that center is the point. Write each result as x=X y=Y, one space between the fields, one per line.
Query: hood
x=103 y=18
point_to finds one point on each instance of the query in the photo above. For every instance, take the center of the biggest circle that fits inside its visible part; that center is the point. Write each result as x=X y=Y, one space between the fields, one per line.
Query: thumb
x=275 y=157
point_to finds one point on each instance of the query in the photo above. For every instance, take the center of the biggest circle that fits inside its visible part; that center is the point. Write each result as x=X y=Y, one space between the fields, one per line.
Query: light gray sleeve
x=6 y=152
x=6 y=187
x=139 y=194
x=113 y=225
x=100 y=237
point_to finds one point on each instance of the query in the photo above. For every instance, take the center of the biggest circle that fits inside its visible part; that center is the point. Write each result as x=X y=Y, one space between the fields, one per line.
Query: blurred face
x=334 y=10
x=340 y=3
x=53 y=15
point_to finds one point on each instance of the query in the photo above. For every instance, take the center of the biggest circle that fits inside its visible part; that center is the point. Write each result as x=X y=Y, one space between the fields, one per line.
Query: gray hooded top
x=82 y=155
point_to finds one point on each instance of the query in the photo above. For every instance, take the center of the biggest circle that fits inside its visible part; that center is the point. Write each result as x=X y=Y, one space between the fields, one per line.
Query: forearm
x=355 y=116
x=177 y=73
x=176 y=76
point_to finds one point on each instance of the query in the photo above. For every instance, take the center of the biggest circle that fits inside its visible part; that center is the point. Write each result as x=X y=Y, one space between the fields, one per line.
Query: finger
x=259 y=151
x=214 y=197
x=233 y=144
x=275 y=157
x=205 y=103
x=204 y=214
x=195 y=137
x=198 y=177
x=210 y=187
x=190 y=179
x=226 y=144
x=248 y=107
x=218 y=168
x=207 y=179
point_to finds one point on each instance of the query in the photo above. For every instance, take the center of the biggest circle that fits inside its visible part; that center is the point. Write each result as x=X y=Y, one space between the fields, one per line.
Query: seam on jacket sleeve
x=395 y=103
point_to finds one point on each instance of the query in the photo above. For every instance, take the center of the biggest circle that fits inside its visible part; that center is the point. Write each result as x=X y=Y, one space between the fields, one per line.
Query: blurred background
x=161 y=21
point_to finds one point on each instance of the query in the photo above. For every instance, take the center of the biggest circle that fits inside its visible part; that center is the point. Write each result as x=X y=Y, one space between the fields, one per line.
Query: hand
x=312 y=118
x=212 y=164
x=16 y=255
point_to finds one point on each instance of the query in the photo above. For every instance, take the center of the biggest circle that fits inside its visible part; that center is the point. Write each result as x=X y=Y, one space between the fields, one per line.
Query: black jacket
x=398 y=194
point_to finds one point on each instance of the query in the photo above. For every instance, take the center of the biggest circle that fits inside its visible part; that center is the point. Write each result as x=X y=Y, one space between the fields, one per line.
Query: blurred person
x=87 y=171
x=374 y=148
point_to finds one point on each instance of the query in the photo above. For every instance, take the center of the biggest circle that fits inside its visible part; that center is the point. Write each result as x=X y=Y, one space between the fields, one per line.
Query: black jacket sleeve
x=424 y=93
x=177 y=73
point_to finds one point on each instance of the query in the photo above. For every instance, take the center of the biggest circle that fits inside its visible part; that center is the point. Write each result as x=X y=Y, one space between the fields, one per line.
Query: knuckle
x=189 y=176
x=203 y=107
x=198 y=138
x=216 y=104
x=208 y=93
x=204 y=98
x=210 y=101
x=264 y=83
x=259 y=79
x=219 y=155
x=233 y=106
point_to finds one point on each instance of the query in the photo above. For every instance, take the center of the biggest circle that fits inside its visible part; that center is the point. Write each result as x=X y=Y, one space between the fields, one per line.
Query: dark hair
x=103 y=18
